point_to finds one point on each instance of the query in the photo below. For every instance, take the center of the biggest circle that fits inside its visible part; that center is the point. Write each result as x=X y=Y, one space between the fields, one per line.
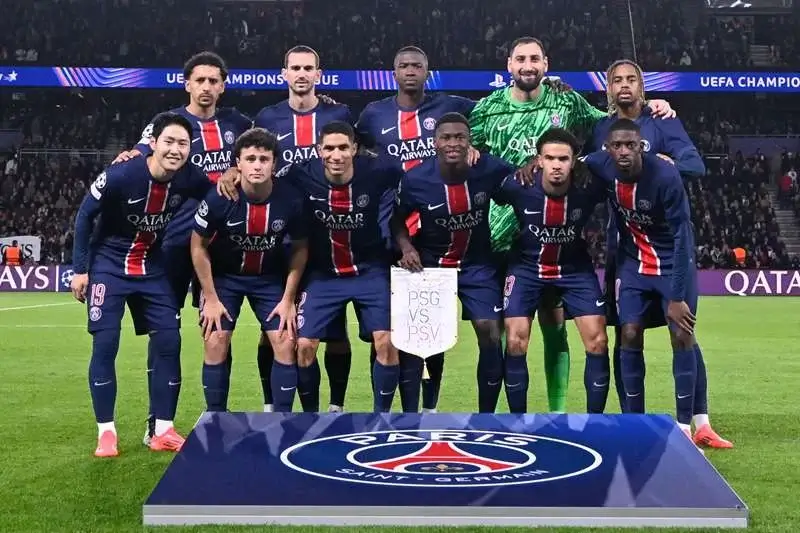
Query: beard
x=528 y=85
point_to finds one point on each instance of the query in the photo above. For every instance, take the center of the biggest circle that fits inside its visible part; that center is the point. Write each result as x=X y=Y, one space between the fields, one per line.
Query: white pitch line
x=34 y=306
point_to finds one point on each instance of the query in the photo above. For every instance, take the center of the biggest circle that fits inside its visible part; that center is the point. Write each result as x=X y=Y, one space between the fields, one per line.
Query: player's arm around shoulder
x=680 y=148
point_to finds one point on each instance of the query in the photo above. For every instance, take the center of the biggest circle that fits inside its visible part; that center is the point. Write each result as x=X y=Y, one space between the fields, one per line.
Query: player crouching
x=550 y=254
x=238 y=252
x=452 y=200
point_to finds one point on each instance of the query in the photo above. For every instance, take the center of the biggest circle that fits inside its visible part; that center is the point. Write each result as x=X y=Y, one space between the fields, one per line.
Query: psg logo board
x=442 y=469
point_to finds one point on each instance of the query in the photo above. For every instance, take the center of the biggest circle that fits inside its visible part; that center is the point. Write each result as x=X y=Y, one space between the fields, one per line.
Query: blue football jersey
x=551 y=227
x=344 y=234
x=406 y=135
x=248 y=235
x=298 y=132
x=454 y=217
x=135 y=211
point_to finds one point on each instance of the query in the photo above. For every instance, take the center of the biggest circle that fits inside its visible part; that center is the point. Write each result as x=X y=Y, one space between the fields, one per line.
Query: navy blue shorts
x=325 y=299
x=641 y=297
x=150 y=301
x=524 y=291
x=262 y=293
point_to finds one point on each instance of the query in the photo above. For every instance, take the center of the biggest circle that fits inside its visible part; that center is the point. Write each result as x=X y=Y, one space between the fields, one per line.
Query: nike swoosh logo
x=195 y=140
x=232 y=224
x=629 y=395
x=318 y=199
x=96 y=384
x=387 y=393
x=174 y=384
x=432 y=207
x=529 y=212
x=493 y=383
x=384 y=131
x=681 y=397
x=287 y=388
x=599 y=303
x=282 y=137
x=131 y=201
x=497 y=309
x=514 y=386
x=601 y=385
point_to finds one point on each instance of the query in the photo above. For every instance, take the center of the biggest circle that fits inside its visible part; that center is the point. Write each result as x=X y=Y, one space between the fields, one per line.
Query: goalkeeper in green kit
x=507 y=124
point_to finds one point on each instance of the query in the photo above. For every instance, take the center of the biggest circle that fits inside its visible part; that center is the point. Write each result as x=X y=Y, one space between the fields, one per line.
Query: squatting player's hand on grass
x=78 y=285
x=226 y=185
x=661 y=108
x=126 y=156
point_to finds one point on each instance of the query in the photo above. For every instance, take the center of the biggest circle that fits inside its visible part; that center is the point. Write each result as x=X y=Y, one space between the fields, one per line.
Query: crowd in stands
x=363 y=34
x=39 y=193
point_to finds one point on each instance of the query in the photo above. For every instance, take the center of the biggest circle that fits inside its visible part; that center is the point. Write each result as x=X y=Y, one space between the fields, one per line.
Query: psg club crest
x=429 y=123
x=449 y=459
x=229 y=137
x=555 y=120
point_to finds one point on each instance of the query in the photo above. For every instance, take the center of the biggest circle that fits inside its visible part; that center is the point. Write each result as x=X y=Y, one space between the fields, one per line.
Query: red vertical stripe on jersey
x=458 y=203
x=408 y=128
x=156 y=203
x=212 y=142
x=340 y=201
x=305 y=129
x=555 y=214
x=257 y=220
x=649 y=262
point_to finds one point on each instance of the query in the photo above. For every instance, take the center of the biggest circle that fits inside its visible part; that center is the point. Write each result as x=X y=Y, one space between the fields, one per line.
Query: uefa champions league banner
x=56 y=278
x=52 y=278
x=383 y=80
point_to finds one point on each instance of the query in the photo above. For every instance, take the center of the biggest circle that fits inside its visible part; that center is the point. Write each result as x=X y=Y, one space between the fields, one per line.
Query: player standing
x=214 y=131
x=347 y=256
x=508 y=123
x=297 y=122
x=248 y=259
x=125 y=264
x=626 y=99
x=550 y=254
x=401 y=128
x=655 y=261
x=452 y=199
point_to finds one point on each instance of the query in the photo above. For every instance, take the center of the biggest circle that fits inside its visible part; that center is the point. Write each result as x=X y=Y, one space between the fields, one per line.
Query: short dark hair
x=526 y=40
x=256 y=138
x=624 y=124
x=300 y=49
x=205 y=58
x=338 y=126
x=412 y=50
x=15 y=242
x=452 y=118
x=169 y=118
x=558 y=136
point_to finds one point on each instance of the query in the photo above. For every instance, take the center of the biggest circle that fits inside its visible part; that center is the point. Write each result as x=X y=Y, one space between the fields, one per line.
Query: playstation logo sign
x=430 y=458
x=499 y=81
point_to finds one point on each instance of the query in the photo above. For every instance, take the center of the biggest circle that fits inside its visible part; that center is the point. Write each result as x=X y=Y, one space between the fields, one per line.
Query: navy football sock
x=432 y=385
x=215 y=385
x=151 y=362
x=372 y=356
x=167 y=373
x=308 y=379
x=284 y=383
x=384 y=383
x=103 y=374
x=633 y=371
x=410 y=382
x=490 y=377
x=684 y=369
x=619 y=385
x=337 y=367
x=516 y=377
x=701 y=385
x=265 y=358
x=596 y=375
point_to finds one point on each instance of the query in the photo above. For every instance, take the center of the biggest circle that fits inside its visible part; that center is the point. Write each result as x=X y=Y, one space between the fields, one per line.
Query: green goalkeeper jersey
x=509 y=129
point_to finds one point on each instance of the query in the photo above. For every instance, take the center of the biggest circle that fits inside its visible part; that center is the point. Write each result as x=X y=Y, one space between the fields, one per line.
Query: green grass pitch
x=50 y=481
